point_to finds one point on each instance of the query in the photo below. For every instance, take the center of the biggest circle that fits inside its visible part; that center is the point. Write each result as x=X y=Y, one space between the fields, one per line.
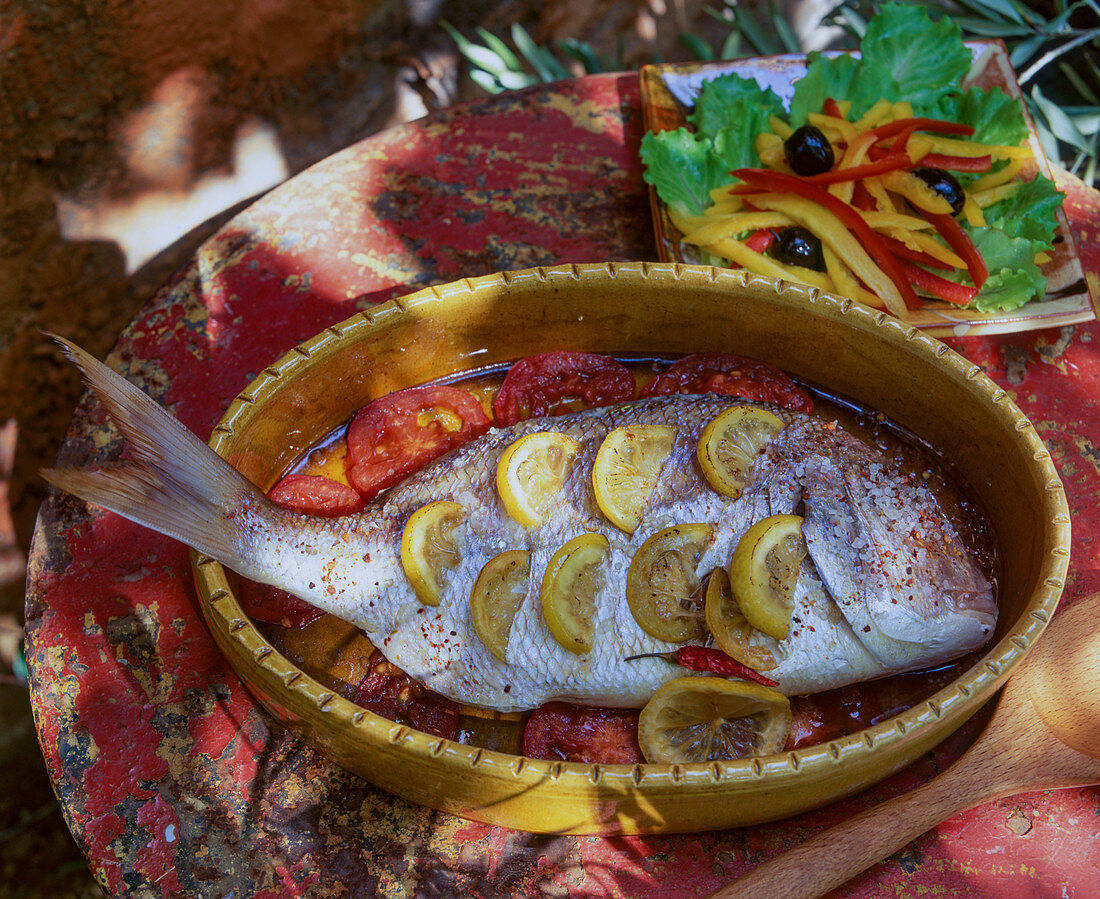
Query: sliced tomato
x=576 y=733
x=398 y=434
x=730 y=375
x=274 y=606
x=557 y=382
x=390 y=692
x=316 y=495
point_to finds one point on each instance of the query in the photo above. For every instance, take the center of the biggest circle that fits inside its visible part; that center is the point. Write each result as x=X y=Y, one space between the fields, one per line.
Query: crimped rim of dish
x=958 y=700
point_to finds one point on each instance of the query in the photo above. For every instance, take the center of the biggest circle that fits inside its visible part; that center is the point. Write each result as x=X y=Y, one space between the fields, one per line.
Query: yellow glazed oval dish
x=635 y=309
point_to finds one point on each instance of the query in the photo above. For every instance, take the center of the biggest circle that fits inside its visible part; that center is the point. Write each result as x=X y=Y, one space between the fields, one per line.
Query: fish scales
x=887 y=585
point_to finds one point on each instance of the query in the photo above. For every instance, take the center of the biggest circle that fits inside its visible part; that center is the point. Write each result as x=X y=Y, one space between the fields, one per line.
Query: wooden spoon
x=1044 y=735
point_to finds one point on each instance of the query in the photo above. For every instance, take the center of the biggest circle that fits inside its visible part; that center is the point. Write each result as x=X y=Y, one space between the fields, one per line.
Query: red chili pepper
x=714 y=661
x=959 y=294
x=952 y=232
x=763 y=180
x=958 y=163
x=938 y=126
x=879 y=167
x=760 y=240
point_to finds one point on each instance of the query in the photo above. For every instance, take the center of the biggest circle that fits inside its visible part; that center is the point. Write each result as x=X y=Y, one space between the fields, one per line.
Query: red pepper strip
x=951 y=231
x=958 y=163
x=864 y=170
x=702 y=658
x=899 y=249
x=902 y=140
x=831 y=108
x=763 y=180
x=937 y=126
x=760 y=240
x=861 y=197
x=959 y=294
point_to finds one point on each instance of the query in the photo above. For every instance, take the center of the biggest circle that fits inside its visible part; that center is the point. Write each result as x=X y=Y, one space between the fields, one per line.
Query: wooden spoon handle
x=835 y=856
x=1006 y=759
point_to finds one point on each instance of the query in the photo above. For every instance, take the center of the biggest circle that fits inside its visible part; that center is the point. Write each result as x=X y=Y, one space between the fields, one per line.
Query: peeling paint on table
x=174 y=781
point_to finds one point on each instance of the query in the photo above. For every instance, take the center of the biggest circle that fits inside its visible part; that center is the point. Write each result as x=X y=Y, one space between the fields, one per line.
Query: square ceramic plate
x=668 y=94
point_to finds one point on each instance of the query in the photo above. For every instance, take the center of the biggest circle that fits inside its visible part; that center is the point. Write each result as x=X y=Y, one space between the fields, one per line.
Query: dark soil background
x=125 y=119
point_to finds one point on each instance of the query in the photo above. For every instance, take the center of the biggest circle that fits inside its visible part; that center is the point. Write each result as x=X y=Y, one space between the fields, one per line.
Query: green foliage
x=1056 y=57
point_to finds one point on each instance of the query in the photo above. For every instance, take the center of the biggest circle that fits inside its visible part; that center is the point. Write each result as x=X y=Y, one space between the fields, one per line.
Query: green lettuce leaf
x=1014 y=278
x=1008 y=290
x=921 y=59
x=1028 y=212
x=995 y=117
x=683 y=168
x=826 y=76
x=731 y=100
x=904 y=56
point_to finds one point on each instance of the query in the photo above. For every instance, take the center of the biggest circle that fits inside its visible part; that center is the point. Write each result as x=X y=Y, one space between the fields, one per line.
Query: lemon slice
x=626 y=469
x=730 y=627
x=662 y=588
x=429 y=548
x=731 y=443
x=569 y=589
x=531 y=471
x=500 y=587
x=707 y=719
x=764 y=570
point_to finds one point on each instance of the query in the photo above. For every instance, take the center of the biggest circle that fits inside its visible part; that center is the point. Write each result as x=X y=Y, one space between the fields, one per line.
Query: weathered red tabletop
x=174 y=781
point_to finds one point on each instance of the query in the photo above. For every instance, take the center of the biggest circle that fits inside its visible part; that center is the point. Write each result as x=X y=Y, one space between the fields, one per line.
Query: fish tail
x=175 y=484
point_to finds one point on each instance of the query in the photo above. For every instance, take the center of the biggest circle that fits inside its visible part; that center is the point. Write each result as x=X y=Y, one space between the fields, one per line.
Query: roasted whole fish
x=887 y=585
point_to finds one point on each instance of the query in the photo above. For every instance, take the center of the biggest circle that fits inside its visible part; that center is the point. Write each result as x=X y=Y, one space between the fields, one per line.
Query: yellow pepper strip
x=729 y=225
x=973 y=212
x=876 y=115
x=993 y=179
x=918 y=240
x=993 y=194
x=832 y=126
x=845 y=107
x=725 y=192
x=879 y=220
x=831 y=231
x=780 y=127
x=952 y=147
x=775 y=157
x=916 y=192
x=855 y=154
x=918 y=147
x=685 y=222
x=749 y=259
x=727 y=206
x=880 y=195
x=845 y=281
x=765 y=140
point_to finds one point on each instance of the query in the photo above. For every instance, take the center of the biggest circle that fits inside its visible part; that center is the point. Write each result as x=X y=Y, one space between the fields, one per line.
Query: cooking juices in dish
x=825 y=651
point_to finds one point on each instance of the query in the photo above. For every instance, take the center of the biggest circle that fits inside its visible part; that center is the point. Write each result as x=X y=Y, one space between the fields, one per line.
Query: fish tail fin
x=176 y=484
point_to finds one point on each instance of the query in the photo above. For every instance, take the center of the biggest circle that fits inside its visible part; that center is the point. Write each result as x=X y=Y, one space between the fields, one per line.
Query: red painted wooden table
x=174 y=781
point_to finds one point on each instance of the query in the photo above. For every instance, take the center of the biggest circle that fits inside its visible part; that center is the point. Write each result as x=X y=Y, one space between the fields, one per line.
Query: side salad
x=883 y=180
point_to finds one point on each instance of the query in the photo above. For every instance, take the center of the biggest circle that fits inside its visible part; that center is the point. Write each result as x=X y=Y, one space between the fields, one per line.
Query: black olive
x=797 y=246
x=809 y=151
x=944 y=184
